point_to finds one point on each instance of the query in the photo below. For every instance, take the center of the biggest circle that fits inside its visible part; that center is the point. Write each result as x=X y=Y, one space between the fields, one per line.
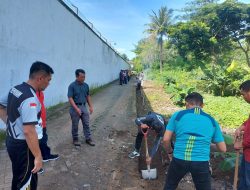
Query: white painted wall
x=47 y=31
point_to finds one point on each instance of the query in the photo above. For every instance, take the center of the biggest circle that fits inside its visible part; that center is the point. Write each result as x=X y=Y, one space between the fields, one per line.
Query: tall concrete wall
x=46 y=30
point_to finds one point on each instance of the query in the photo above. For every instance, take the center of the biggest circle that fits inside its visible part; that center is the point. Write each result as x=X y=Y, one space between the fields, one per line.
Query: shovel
x=236 y=170
x=237 y=146
x=149 y=173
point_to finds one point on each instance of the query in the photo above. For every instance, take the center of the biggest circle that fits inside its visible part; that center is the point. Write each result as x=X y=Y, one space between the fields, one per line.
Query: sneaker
x=40 y=171
x=134 y=154
x=51 y=157
x=76 y=143
x=90 y=142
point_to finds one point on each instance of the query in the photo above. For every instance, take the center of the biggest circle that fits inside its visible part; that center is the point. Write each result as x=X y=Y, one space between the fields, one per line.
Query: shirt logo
x=33 y=105
x=160 y=119
x=16 y=92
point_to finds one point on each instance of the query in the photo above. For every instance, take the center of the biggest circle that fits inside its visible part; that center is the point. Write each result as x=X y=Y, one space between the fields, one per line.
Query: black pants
x=138 y=140
x=138 y=85
x=45 y=150
x=22 y=163
x=198 y=169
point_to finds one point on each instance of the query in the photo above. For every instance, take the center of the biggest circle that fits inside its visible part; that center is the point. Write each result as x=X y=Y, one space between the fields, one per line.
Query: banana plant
x=229 y=158
x=221 y=77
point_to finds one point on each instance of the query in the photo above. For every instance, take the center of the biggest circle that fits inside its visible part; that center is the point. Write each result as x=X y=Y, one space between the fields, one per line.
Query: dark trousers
x=85 y=122
x=45 y=150
x=198 y=169
x=138 y=85
x=138 y=140
x=125 y=80
x=121 y=80
x=22 y=163
x=244 y=175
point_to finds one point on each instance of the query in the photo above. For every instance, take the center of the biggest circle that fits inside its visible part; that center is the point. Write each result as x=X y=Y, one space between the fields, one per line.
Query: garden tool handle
x=148 y=167
x=236 y=170
x=146 y=142
x=146 y=147
x=145 y=133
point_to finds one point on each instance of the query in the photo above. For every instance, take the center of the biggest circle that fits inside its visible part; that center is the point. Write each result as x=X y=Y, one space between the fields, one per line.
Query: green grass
x=230 y=112
x=95 y=89
x=2 y=138
x=55 y=107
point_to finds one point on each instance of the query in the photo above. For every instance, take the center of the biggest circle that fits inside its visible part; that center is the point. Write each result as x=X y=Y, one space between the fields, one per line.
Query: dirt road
x=105 y=166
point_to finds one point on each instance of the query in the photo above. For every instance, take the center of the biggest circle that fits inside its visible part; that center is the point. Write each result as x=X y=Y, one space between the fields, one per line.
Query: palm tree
x=159 y=27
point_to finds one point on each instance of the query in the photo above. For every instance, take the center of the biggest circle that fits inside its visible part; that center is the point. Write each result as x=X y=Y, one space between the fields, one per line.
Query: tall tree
x=125 y=57
x=228 y=21
x=235 y=17
x=159 y=27
x=193 y=39
x=146 y=51
x=193 y=7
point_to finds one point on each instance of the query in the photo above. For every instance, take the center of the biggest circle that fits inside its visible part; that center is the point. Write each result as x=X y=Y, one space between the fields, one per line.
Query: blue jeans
x=198 y=169
x=244 y=175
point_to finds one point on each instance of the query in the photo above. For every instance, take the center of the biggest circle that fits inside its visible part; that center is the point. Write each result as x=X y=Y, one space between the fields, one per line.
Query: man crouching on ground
x=153 y=121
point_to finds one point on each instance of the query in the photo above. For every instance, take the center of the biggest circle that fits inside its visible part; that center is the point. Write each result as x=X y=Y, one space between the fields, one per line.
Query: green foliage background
x=230 y=111
x=201 y=52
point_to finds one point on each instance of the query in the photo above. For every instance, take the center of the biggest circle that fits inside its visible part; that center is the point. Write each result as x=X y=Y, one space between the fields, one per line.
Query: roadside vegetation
x=229 y=111
x=2 y=138
x=206 y=49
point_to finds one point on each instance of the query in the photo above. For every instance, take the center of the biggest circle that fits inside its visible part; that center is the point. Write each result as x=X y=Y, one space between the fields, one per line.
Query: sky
x=123 y=22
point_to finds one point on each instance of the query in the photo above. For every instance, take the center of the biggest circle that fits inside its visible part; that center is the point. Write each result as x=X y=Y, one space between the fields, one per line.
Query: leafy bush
x=230 y=112
x=223 y=80
x=2 y=138
x=176 y=83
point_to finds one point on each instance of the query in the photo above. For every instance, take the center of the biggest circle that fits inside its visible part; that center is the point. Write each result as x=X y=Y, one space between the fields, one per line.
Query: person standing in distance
x=24 y=126
x=78 y=95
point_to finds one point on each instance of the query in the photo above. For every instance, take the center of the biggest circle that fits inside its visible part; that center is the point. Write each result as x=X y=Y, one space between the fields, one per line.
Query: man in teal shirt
x=194 y=131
